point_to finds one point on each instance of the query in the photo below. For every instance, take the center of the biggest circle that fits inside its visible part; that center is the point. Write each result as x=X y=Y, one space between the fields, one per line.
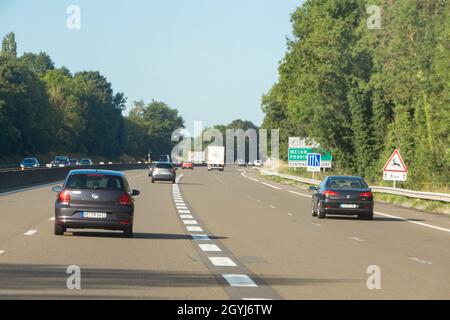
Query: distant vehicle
x=60 y=161
x=164 y=171
x=28 y=163
x=196 y=157
x=257 y=163
x=164 y=158
x=95 y=199
x=73 y=162
x=86 y=162
x=344 y=195
x=215 y=157
x=241 y=163
x=187 y=165
x=151 y=166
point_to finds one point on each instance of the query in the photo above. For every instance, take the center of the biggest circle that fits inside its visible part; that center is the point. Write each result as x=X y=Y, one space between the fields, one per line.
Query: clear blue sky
x=210 y=59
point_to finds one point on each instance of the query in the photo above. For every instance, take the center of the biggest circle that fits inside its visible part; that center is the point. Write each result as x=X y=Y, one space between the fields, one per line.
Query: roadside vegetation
x=363 y=92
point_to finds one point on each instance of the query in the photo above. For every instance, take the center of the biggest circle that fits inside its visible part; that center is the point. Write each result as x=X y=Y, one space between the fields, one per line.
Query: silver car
x=164 y=171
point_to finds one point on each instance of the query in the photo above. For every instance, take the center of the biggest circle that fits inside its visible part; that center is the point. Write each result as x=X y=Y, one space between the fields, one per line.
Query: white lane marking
x=52 y=219
x=179 y=201
x=300 y=194
x=2 y=251
x=420 y=260
x=317 y=224
x=30 y=232
x=185 y=216
x=256 y=299
x=269 y=185
x=222 y=262
x=291 y=214
x=31 y=188
x=184 y=211
x=177 y=180
x=414 y=222
x=209 y=247
x=357 y=239
x=239 y=280
x=258 y=200
x=189 y=221
x=199 y=236
x=194 y=228
x=181 y=207
x=272 y=207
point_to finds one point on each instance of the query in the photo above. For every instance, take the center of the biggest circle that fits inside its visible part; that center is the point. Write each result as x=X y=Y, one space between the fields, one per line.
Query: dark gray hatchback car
x=95 y=199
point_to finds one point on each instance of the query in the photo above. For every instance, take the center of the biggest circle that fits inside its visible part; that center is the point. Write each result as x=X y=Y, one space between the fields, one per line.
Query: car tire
x=128 y=232
x=173 y=181
x=153 y=180
x=59 y=230
x=366 y=216
x=320 y=212
x=313 y=212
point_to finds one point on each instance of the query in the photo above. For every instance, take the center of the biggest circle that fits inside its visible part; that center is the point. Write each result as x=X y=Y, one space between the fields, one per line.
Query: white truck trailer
x=215 y=157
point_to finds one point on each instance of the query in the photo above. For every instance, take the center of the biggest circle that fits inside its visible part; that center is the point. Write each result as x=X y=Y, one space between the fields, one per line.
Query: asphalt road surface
x=223 y=235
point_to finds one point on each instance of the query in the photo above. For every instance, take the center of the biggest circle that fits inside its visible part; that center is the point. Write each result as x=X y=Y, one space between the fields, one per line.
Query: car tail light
x=366 y=194
x=125 y=199
x=328 y=193
x=64 y=197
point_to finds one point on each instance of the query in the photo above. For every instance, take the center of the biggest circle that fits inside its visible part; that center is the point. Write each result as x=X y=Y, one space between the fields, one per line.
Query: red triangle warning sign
x=395 y=163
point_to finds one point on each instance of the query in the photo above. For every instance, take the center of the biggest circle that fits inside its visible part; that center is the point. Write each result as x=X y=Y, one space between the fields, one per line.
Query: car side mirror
x=135 y=192
x=56 y=189
x=312 y=188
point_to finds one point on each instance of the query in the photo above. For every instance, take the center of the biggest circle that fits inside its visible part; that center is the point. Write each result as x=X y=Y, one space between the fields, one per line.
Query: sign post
x=395 y=169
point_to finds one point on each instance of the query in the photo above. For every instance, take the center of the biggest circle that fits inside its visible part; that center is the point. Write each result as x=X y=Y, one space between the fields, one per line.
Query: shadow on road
x=138 y=235
x=25 y=281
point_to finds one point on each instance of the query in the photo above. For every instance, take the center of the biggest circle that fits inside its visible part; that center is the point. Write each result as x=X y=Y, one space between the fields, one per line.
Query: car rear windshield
x=164 y=165
x=61 y=159
x=95 y=181
x=29 y=160
x=346 y=183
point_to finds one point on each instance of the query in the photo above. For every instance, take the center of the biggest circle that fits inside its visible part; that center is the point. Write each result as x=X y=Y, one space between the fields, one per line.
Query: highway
x=223 y=235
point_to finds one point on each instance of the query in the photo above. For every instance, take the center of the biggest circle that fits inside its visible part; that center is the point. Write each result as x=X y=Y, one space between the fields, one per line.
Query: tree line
x=47 y=109
x=364 y=92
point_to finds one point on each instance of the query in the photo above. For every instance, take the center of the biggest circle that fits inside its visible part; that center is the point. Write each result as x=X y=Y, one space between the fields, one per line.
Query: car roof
x=105 y=172
x=345 y=177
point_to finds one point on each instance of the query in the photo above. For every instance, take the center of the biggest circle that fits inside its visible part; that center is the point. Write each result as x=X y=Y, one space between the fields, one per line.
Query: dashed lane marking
x=185 y=216
x=194 y=228
x=357 y=239
x=420 y=260
x=189 y=221
x=239 y=280
x=30 y=232
x=209 y=247
x=52 y=219
x=200 y=236
x=184 y=211
x=222 y=262
x=2 y=251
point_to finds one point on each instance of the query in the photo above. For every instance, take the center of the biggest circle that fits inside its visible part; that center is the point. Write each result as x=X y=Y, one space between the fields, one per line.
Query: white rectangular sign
x=394 y=176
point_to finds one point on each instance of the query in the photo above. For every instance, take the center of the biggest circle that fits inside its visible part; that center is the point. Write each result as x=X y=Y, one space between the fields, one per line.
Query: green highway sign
x=297 y=156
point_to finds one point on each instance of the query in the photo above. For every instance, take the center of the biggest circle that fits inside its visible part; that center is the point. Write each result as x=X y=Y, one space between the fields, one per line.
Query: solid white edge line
x=300 y=194
x=414 y=222
x=269 y=185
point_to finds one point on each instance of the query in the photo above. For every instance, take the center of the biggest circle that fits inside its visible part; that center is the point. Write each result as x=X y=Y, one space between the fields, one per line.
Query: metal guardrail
x=13 y=179
x=445 y=197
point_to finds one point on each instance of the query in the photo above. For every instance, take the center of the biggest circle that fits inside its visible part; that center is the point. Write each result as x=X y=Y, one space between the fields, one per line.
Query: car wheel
x=59 y=230
x=173 y=181
x=366 y=216
x=153 y=180
x=313 y=212
x=128 y=232
x=320 y=212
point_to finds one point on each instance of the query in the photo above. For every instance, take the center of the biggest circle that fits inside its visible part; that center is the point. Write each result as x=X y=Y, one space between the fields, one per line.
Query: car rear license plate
x=349 y=206
x=96 y=215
